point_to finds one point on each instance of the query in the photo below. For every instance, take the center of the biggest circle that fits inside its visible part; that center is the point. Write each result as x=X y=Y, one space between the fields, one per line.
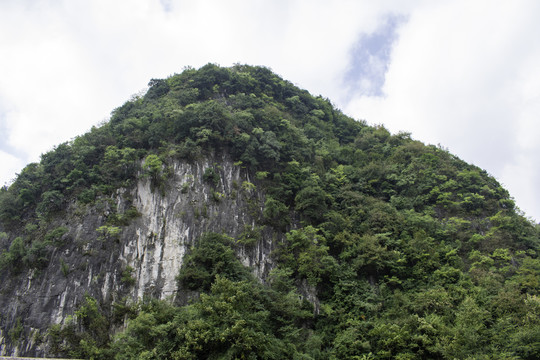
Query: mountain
x=229 y=214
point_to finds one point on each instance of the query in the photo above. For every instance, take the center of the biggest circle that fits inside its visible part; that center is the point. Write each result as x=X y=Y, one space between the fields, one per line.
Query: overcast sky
x=462 y=74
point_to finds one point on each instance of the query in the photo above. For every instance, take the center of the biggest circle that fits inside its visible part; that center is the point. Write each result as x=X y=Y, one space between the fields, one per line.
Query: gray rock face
x=152 y=246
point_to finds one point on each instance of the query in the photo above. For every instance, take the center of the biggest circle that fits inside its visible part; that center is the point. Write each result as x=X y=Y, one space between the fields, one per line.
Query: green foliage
x=51 y=201
x=248 y=186
x=305 y=253
x=123 y=219
x=261 y=175
x=127 y=276
x=249 y=236
x=185 y=188
x=109 y=232
x=212 y=256
x=217 y=196
x=211 y=175
x=55 y=236
x=16 y=331
x=235 y=317
x=86 y=335
x=10 y=209
x=276 y=213
x=404 y=250
x=157 y=89
x=13 y=258
x=64 y=267
x=120 y=164
x=234 y=320
x=153 y=167
x=87 y=196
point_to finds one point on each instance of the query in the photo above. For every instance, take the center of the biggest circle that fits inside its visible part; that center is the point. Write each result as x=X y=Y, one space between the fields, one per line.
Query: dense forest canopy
x=412 y=252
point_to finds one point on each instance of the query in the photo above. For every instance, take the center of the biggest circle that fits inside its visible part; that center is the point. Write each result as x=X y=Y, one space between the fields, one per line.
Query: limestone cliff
x=146 y=255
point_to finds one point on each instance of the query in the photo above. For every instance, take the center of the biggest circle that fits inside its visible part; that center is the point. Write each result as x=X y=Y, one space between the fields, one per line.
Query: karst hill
x=226 y=213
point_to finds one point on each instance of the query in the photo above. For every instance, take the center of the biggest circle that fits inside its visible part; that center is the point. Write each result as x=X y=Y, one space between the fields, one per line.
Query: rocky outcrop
x=135 y=260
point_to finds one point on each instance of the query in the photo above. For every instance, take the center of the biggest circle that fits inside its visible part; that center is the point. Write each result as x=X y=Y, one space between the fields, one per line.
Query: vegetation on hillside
x=413 y=253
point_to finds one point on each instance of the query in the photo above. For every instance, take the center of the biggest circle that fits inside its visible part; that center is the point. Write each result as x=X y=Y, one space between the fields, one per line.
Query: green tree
x=51 y=201
x=312 y=201
x=13 y=258
x=276 y=213
x=212 y=256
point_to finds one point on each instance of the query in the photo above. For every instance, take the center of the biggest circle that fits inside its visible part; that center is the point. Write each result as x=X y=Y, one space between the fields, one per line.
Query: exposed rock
x=171 y=218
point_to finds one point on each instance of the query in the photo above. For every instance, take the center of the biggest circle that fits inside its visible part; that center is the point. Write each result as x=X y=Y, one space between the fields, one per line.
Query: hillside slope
x=227 y=214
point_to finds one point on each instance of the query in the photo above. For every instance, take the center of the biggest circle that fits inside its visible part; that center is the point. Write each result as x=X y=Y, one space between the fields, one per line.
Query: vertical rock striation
x=148 y=251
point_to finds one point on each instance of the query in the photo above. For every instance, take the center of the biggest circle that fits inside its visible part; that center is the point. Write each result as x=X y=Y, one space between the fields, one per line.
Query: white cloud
x=466 y=75
x=10 y=165
x=463 y=74
x=67 y=64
